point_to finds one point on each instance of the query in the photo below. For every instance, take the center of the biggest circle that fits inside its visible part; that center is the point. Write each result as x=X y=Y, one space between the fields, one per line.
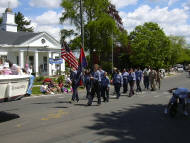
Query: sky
x=172 y=15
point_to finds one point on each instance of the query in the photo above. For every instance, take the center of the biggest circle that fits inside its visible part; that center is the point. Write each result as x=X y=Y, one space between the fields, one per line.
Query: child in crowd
x=61 y=86
x=44 y=89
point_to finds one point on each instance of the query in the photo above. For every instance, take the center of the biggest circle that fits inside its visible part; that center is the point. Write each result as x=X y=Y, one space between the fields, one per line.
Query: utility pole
x=82 y=26
x=112 y=51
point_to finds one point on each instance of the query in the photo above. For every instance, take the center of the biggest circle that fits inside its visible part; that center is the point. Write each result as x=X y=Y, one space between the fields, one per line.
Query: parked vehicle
x=179 y=68
x=163 y=72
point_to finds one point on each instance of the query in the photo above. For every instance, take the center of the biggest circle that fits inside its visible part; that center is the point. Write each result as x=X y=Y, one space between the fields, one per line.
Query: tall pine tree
x=23 y=23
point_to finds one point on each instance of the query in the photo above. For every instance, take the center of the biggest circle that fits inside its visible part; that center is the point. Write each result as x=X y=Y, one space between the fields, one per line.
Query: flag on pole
x=82 y=59
x=82 y=63
x=68 y=56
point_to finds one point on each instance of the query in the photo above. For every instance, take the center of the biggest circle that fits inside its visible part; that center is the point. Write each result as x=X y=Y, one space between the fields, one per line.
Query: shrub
x=107 y=66
x=39 y=79
x=61 y=78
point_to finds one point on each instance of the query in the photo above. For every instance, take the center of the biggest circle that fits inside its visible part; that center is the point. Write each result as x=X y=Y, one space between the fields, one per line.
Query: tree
x=177 y=45
x=101 y=28
x=1 y=20
x=184 y=57
x=112 y=11
x=66 y=34
x=150 y=46
x=22 y=23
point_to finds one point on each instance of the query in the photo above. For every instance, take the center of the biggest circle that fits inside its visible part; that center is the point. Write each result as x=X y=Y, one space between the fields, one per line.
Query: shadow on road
x=85 y=105
x=41 y=103
x=59 y=107
x=141 y=124
x=5 y=116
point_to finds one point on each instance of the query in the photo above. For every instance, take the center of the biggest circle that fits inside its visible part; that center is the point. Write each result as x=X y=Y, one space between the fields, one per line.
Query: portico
x=34 y=49
x=38 y=58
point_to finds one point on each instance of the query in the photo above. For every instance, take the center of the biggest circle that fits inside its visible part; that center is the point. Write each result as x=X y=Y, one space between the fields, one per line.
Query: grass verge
x=36 y=90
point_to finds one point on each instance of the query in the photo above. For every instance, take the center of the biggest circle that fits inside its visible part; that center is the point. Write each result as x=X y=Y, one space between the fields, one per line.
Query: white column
x=21 y=59
x=49 y=65
x=63 y=66
x=53 y=65
x=36 y=64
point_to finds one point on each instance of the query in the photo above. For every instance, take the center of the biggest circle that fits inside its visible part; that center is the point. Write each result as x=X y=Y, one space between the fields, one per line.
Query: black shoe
x=99 y=101
x=89 y=103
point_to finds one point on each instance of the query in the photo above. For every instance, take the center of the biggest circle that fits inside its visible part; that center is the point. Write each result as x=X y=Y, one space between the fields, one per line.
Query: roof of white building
x=15 y=38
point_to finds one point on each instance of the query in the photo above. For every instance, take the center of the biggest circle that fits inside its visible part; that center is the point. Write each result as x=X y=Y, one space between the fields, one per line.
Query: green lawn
x=36 y=90
x=37 y=83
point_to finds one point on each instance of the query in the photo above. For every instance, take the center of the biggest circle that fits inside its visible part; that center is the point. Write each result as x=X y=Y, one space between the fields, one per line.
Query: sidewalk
x=171 y=74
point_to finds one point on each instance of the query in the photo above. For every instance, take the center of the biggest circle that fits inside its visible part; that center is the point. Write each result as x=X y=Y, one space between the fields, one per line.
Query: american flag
x=68 y=56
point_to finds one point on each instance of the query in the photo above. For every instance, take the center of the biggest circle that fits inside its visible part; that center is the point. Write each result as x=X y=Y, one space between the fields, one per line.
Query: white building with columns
x=35 y=49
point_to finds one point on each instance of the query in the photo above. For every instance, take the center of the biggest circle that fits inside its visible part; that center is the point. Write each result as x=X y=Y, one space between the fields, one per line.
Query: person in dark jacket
x=87 y=83
x=118 y=82
x=95 y=85
x=138 y=75
x=112 y=76
x=125 y=81
x=75 y=78
x=105 y=87
x=131 y=79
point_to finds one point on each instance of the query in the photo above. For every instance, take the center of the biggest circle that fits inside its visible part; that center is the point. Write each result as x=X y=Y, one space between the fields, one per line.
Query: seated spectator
x=61 y=86
x=24 y=72
x=6 y=70
x=44 y=89
x=53 y=87
x=14 y=69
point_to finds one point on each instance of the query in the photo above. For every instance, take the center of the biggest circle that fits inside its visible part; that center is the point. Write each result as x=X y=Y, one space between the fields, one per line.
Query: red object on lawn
x=47 y=80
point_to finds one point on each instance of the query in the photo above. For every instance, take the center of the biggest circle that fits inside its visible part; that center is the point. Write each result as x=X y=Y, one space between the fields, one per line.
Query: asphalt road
x=52 y=119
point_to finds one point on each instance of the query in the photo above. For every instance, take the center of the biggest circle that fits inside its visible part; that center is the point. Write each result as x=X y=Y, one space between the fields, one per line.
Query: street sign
x=55 y=61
